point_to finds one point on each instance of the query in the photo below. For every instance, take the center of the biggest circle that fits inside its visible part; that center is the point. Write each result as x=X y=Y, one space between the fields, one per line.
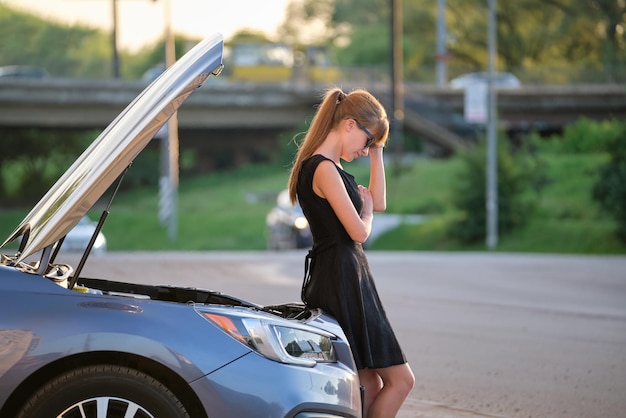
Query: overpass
x=221 y=114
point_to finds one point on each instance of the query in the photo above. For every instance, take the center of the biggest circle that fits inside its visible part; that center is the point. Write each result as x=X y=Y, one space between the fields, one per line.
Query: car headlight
x=100 y=243
x=276 y=340
x=300 y=222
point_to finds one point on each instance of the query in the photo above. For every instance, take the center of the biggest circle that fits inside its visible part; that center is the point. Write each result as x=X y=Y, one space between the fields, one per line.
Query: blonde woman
x=340 y=212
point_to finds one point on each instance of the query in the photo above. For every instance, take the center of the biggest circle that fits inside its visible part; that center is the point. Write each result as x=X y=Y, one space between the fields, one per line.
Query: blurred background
x=68 y=67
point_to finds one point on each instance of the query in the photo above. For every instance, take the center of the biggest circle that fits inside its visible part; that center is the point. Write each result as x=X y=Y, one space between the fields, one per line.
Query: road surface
x=487 y=335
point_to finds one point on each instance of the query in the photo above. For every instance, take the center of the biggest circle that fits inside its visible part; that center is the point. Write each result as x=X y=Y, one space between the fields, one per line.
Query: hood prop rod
x=56 y=250
x=103 y=217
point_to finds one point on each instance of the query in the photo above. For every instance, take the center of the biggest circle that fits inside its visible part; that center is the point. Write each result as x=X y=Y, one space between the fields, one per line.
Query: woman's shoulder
x=315 y=160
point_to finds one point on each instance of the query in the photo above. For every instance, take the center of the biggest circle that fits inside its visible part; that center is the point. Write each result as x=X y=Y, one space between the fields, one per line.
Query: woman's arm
x=377 y=185
x=327 y=183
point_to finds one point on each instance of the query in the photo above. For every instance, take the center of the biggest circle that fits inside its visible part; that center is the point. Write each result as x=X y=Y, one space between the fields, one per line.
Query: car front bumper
x=326 y=390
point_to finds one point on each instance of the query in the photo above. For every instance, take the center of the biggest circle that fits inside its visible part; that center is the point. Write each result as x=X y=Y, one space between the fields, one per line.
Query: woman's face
x=358 y=139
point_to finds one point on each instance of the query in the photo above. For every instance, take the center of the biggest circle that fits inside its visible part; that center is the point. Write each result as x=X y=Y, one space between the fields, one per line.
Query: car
x=78 y=238
x=23 y=71
x=287 y=228
x=92 y=347
x=153 y=73
x=502 y=80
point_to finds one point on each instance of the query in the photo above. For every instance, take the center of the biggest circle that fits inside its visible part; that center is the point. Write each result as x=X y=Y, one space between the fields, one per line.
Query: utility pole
x=442 y=53
x=116 y=57
x=492 y=144
x=397 y=77
x=168 y=184
x=114 y=46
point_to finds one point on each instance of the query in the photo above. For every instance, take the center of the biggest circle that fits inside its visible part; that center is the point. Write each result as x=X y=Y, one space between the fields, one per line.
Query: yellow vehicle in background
x=262 y=62
x=272 y=62
x=321 y=67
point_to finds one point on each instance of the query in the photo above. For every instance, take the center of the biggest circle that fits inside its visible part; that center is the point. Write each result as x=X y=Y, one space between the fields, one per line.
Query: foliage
x=610 y=188
x=583 y=136
x=366 y=47
x=134 y=66
x=308 y=21
x=551 y=42
x=565 y=219
x=519 y=176
x=71 y=51
x=289 y=142
x=32 y=159
x=75 y=51
x=586 y=37
x=226 y=211
x=567 y=36
x=248 y=35
x=423 y=186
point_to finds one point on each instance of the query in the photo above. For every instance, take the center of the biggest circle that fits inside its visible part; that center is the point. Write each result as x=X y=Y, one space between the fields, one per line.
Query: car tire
x=115 y=389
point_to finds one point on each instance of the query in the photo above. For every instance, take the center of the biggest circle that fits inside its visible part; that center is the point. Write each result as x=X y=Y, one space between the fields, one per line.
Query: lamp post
x=168 y=182
x=397 y=77
x=116 y=58
x=442 y=53
x=492 y=144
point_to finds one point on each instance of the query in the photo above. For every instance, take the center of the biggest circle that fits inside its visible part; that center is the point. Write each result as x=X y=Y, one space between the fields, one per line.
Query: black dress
x=338 y=278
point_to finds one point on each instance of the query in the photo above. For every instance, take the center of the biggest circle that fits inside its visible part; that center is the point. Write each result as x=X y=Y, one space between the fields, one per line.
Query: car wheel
x=103 y=391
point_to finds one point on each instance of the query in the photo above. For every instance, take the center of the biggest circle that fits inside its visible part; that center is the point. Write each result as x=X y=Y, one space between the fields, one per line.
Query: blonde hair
x=335 y=107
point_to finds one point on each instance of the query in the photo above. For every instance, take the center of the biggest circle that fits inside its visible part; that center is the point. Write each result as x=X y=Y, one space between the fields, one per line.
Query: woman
x=340 y=212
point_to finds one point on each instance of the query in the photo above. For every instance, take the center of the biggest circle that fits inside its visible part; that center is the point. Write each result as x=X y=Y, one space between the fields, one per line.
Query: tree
x=611 y=18
x=309 y=22
x=542 y=40
x=520 y=174
x=565 y=35
x=248 y=35
x=610 y=188
x=134 y=66
x=32 y=159
x=75 y=51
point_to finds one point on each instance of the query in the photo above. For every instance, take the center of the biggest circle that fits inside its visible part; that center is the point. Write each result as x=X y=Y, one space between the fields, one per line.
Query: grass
x=226 y=211
x=566 y=219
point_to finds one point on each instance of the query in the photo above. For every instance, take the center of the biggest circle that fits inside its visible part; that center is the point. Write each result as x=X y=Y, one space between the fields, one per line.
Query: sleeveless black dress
x=338 y=279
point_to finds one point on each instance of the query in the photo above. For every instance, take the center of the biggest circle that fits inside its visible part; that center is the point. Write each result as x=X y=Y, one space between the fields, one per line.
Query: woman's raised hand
x=368 y=203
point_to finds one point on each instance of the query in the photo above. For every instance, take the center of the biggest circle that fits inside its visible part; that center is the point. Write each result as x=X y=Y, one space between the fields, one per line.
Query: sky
x=141 y=22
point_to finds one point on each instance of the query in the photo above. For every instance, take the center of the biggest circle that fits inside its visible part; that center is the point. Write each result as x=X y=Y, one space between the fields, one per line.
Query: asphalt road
x=487 y=335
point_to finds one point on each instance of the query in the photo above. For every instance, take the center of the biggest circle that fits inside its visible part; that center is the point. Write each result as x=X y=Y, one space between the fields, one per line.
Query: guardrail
x=431 y=111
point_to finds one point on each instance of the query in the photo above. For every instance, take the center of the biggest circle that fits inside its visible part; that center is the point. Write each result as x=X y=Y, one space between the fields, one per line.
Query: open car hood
x=78 y=189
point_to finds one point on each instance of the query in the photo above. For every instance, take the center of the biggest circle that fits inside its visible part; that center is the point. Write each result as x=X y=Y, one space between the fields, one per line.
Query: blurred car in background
x=501 y=80
x=287 y=228
x=77 y=239
x=153 y=72
x=23 y=71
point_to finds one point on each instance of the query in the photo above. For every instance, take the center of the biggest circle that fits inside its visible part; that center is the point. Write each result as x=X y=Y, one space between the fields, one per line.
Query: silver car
x=286 y=225
x=500 y=80
x=72 y=346
x=77 y=239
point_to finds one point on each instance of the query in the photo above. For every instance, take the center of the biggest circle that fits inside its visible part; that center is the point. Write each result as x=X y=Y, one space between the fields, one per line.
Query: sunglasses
x=370 y=137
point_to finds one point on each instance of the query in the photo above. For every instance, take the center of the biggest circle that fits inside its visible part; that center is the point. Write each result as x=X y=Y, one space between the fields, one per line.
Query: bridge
x=222 y=115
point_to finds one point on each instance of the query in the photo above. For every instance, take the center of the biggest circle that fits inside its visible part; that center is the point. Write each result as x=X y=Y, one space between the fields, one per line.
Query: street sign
x=475 y=103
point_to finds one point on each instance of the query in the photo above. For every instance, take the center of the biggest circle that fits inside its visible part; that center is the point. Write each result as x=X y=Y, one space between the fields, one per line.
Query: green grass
x=226 y=211
x=222 y=211
x=539 y=236
x=566 y=219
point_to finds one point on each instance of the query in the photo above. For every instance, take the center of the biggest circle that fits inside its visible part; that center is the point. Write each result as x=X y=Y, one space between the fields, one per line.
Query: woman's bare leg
x=397 y=382
x=372 y=384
